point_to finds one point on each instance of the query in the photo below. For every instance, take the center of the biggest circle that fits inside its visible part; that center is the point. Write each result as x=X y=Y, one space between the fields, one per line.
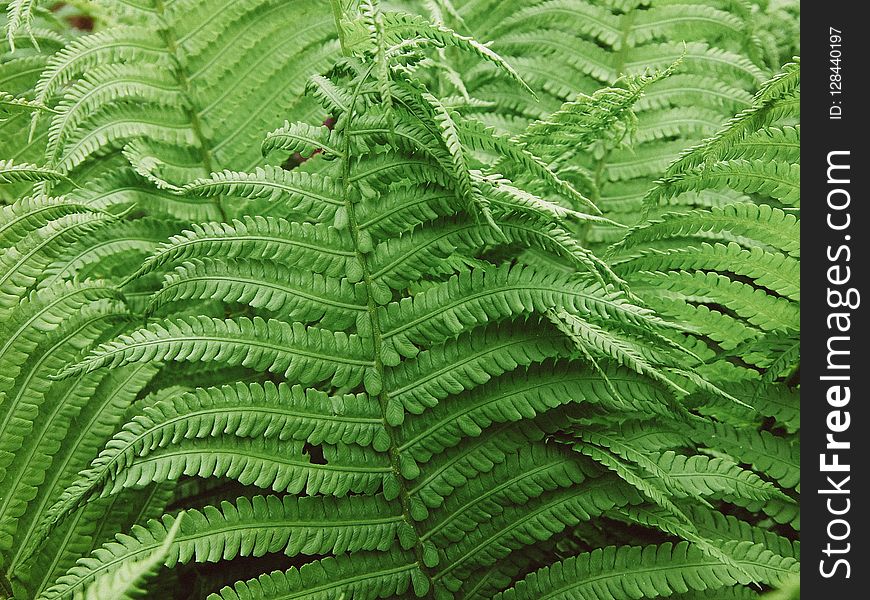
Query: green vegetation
x=479 y=300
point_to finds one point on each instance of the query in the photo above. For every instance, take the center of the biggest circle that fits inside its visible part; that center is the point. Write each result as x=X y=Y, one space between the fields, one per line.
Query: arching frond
x=634 y=572
x=305 y=354
x=248 y=527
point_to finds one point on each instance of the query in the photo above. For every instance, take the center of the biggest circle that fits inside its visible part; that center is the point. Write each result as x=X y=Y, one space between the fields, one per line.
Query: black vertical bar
x=835 y=232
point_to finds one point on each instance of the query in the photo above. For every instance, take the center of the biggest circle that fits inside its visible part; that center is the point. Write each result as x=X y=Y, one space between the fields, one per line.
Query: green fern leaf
x=17 y=172
x=304 y=354
x=306 y=297
x=247 y=528
x=634 y=572
x=124 y=584
x=365 y=575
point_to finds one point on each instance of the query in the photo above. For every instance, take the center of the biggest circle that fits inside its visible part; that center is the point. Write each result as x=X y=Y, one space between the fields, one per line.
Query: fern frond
x=100 y=253
x=106 y=85
x=777 y=180
x=31 y=213
x=307 y=297
x=768 y=454
x=756 y=306
x=728 y=527
x=125 y=583
x=33 y=415
x=303 y=354
x=403 y=26
x=777 y=228
x=19 y=16
x=269 y=463
x=594 y=340
x=520 y=478
x=253 y=411
x=24 y=265
x=11 y=172
x=10 y=102
x=413 y=207
x=456 y=466
x=466 y=362
x=598 y=22
x=476 y=297
x=121 y=189
x=483 y=138
x=775 y=271
x=304 y=139
x=378 y=575
x=780 y=144
x=316 y=196
x=703 y=476
x=634 y=572
x=770 y=104
x=98 y=418
x=250 y=527
x=540 y=519
x=518 y=397
x=321 y=248
x=39 y=312
x=684 y=20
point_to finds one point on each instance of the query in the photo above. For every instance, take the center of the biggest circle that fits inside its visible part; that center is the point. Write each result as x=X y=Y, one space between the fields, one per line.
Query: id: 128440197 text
x=835 y=55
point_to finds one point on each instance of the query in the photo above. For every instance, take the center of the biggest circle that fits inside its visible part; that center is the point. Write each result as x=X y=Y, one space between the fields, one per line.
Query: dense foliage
x=309 y=300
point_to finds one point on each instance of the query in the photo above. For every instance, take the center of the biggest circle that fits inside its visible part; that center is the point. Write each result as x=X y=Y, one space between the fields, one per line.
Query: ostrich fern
x=369 y=353
x=570 y=47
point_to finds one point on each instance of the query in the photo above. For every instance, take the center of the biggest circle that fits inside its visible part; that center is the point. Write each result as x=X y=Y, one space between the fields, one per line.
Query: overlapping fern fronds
x=732 y=274
x=369 y=353
x=569 y=49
